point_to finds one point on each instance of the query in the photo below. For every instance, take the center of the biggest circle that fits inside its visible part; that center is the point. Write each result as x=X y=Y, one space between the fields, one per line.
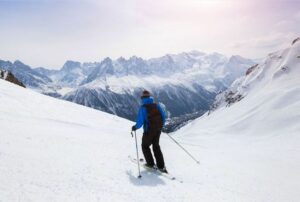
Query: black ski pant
x=151 y=137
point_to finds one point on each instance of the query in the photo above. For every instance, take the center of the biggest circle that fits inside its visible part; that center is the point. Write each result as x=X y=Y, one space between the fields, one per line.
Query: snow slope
x=256 y=141
x=53 y=150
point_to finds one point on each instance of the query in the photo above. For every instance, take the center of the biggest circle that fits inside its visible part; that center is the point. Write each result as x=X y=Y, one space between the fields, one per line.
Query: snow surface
x=64 y=90
x=257 y=140
x=54 y=150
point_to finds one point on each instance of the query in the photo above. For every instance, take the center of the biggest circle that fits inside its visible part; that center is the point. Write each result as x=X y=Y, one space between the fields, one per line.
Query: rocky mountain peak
x=8 y=76
x=71 y=65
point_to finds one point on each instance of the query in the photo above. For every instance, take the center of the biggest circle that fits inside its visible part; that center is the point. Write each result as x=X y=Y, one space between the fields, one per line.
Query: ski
x=153 y=170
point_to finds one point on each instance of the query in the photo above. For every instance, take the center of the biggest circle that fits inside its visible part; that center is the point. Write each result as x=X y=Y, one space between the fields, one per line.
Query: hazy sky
x=49 y=32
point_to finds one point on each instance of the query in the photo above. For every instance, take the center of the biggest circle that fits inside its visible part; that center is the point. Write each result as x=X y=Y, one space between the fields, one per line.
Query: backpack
x=154 y=117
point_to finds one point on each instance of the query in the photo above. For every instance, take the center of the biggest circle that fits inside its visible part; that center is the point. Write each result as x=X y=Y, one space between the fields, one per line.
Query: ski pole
x=183 y=149
x=137 y=154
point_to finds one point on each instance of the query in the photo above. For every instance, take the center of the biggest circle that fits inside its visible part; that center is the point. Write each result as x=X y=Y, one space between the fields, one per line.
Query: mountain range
x=185 y=84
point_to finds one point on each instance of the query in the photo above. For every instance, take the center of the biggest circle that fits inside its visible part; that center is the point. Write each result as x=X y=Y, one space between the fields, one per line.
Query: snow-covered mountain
x=114 y=86
x=70 y=75
x=29 y=77
x=272 y=71
x=53 y=150
x=255 y=140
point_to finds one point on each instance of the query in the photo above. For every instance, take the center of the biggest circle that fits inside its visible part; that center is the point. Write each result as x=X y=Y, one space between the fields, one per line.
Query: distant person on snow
x=152 y=118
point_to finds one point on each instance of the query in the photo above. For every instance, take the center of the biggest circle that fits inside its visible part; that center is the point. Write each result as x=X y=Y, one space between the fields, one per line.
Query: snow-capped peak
x=279 y=68
x=70 y=66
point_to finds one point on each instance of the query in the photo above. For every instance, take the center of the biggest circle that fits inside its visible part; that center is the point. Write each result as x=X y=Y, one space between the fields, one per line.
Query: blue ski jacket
x=142 y=119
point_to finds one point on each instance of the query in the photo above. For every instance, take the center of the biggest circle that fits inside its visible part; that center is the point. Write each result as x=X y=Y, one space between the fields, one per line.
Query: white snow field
x=54 y=150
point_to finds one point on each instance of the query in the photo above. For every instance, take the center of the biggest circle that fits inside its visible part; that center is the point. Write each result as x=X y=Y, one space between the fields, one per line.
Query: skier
x=152 y=118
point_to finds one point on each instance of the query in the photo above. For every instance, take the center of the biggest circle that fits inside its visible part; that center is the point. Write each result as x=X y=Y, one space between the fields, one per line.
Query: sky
x=46 y=33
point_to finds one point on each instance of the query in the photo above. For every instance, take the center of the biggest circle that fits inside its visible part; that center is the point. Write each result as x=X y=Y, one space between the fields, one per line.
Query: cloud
x=297 y=15
x=284 y=24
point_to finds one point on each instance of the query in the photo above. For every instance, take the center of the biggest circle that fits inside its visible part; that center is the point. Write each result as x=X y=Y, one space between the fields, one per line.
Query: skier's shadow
x=148 y=179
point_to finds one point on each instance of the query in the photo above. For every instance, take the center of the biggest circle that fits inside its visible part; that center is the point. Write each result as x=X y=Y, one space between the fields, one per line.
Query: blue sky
x=47 y=33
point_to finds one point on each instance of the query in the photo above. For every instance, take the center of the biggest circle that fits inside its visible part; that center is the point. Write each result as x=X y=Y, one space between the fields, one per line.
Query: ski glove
x=133 y=128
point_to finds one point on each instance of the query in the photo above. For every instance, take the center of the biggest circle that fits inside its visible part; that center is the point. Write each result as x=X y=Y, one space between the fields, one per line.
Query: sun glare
x=204 y=3
x=209 y=2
